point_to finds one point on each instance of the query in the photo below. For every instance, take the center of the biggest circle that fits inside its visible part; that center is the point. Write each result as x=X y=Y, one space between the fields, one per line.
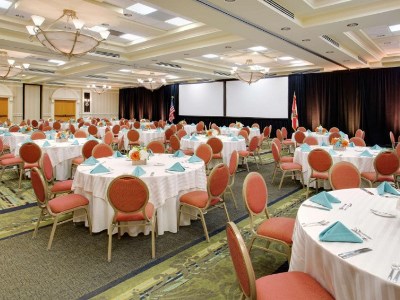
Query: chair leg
x=283 y=176
x=273 y=176
x=41 y=215
x=53 y=230
x=203 y=222
x=20 y=176
x=251 y=243
x=153 y=238
x=233 y=195
x=179 y=218
x=110 y=230
x=226 y=212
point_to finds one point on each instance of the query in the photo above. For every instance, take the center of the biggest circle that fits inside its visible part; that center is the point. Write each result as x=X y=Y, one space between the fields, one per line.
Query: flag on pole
x=171 y=110
x=295 y=120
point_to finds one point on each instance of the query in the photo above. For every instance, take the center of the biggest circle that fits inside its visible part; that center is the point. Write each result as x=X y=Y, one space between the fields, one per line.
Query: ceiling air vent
x=280 y=8
x=96 y=76
x=362 y=60
x=331 y=41
x=41 y=71
x=104 y=53
x=222 y=73
x=169 y=65
x=307 y=71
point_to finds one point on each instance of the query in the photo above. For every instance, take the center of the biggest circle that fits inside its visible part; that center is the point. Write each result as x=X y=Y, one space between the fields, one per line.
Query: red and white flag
x=295 y=120
x=171 y=110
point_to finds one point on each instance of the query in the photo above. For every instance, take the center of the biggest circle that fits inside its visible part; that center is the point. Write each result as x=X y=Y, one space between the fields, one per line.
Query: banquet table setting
x=166 y=175
x=145 y=136
x=322 y=138
x=12 y=139
x=349 y=241
x=254 y=131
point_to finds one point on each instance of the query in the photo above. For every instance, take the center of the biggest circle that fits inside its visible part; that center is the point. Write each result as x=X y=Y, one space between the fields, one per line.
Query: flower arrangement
x=50 y=119
x=62 y=136
x=339 y=143
x=138 y=155
x=211 y=132
x=143 y=120
x=183 y=122
x=101 y=124
x=26 y=128
x=320 y=130
x=238 y=125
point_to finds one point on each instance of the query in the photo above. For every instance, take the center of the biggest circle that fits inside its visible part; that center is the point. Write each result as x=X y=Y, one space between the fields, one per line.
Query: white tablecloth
x=146 y=136
x=14 y=139
x=322 y=138
x=227 y=149
x=254 y=131
x=164 y=188
x=351 y=154
x=189 y=128
x=360 y=277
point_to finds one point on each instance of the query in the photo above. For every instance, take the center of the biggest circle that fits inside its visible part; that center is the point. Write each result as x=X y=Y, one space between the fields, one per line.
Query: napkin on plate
x=194 y=138
x=386 y=187
x=376 y=147
x=159 y=129
x=7 y=133
x=186 y=137
x=352 y=144
x=71 y=137
x=138 y=171
x=91 y=137
x=177 y=167
x=91 y=161
x=46 y=144
x=234 y=139
x=321 y=199
x=75 y=143
x=117 y=154
x=338 y=232
x=366 y=153
x=342 y=134
x=178 y=153
x=28 y=140
x=240 y=137
x=332 y=152
x=324 y=144
x=194 y=159
x=99 y=169
x=305 y=148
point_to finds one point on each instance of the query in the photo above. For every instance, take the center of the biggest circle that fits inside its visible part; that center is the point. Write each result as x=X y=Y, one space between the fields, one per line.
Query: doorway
x=3 y=109
x=64 y=109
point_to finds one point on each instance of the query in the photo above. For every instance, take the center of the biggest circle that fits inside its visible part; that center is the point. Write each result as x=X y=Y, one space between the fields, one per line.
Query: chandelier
x=69 y=40
x=251 y=73
x=152 y=84
x=99 y=89
x=8 y=67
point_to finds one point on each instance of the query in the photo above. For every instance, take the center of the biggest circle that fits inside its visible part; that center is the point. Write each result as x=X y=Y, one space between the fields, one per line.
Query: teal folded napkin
x=338 y=232
x=91 y=137
x=324 y=144
x=332 y=152
x=124 y=130
x=321 y=199
x=91 y=161
x=308 y=131
x=193 y=124
x=7 y=133
x=46 y=144
x=71 y=137
x=177 y=167
x=194 y=138
x=186 y=137
x=352 y=144
x=386 y=187
x=375 y=147
x=178 y=153
x=240 y=137
x=159 y=129
x=138 y=171
x=234 y=139
x=117 y=154
x=331 y=198
x=28 y=140
x=150 y=152
x=1 y=131
x=75 y=143
x=224 y=126
x=99 y=169
x=305 y=148
x=366 y=153
x=342 y=134
x=194 y=159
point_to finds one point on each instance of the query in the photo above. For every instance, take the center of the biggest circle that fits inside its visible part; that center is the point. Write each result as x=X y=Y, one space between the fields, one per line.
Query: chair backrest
x=244 y=134
x=56 y=125
x=279 y=135
x=80 y=134
x=30 y=153
x=87 y=148
x=386 y=163
x=241 y=261
x=299 y=137
x=174 y=142
x=284 y=133
x=232 y=125
x=319 y=160
x=266 y=132
x=360 y=134
x=46 y=128
x=128 y=194
x=275 y=152
x=93 y=121
x=302 y=129
x=108 y=138
x=247 y=129
x=398 y=150
x=333 y=135
x=278 y=144
x=102 y=150
x=35 y=123
x=136 y=124
x=181 y=133
x=14 y=128
x=217 y=181
x=168 y=133
x=253 y=145
x=205 y=152
x=255 y=193
x=71 y=128
x=200 y=126
x=133 y=135
x=38 y=135
x=334 y=129
x=344 y=175
x=23 y=123
x=92 y=129
x=115 y=129
x=392 y=139
x=46 y=167
x=156 y=147
x=173 y=128
x=358 y=141
x=233 y=163
x=179 y=126
x=39 y=186
x=216 y=144
x=311 y=140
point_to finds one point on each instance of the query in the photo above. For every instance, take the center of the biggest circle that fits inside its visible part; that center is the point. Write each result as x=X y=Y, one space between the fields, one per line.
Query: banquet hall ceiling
x=299 y=36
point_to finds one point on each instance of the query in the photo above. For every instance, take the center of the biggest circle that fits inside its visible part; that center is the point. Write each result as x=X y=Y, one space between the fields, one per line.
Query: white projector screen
x=267 y=98
x=201 y=99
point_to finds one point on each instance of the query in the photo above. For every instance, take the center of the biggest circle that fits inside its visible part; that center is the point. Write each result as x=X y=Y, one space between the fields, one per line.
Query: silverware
x=152 y=174
x=348 y=254
x=358 y=230
x=348 y=205
x=394 y=267
x=345 y=206
x=360 y=235
x=397 y=276
x=368 y=192
x=317 y=207
x=322 y=223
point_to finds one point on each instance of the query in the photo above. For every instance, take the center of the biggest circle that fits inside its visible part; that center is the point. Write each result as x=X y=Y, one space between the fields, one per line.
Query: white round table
x=321 y=138
x=145 y=136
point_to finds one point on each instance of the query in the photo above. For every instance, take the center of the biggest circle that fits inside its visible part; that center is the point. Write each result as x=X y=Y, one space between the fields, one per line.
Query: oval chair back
x=302 y=129
x=217 y=183
x=133 y=136
x=279 y=135
x=136 y=124
x=173 y=128
x=108 y=138
x=179 y=127
x=200 y=126
x=344 y=175
x=71 y=128
x=358 y=141
x=30 y=153
x=244 y=134
x=80 y=134
x=14 y=128
x=47 y=167
x=175 y=143
x=255 y=194
x=215 y=144
x=392 y=139
x=360 y=134
x=205 y=152
x=277 y=143
x=253 y=145
x=39 y=187
x=333 y=135
x=334 y=129
x=38 y=135
x=266 y=132
x=35 y=123
x=284 y=133
x=299 y=137
x=386 y=163
x=102 y=150
x=115 y=129
x=255 y=125
x=87 y=148
x=92 y=130
x=181 y=133
x=156 y=147
x=57 y=125
x=320 y=161
x=275 y=153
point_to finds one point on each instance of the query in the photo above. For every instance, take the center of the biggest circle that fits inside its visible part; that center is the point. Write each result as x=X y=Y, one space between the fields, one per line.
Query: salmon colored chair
x=320 y=161
x=344 y=175
x=358 y=141
x=79 y=134
x=216 y=146
x=299 y=137
x=361 y=134
x=251 y=151
x=311 y=140
x=205 y=152
x=92 y=130
x=334 y=135
x=386 y=164
x=233 y=166
x=108 y=138
x=334 y=129
x=133 y=136
x=30 y=153
x=156 y=147
x=302 y=129
x=102 y=150
x=38 y=135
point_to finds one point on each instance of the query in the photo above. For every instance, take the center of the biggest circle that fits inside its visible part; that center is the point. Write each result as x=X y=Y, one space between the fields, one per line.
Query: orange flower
x=345 y=143
x=334 y=141
x=209 y=133
x=135 y=155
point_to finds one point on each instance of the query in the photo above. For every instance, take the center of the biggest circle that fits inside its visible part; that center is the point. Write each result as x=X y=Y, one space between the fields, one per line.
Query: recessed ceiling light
x=55 y=61
x=141 y=9
x=394 y=28
x=306 y=40
x=178 y=21
x=210 y=55
x=98 y=28
x=285 y=58
x=171 y=77
x=186 y=54
x=352 y=25
x=329 y=52
x=125 y=70
x=257 y=48
x=228 y=47
x=297 y=62
x=130 y=37
x=5 y=4
x=285 y=28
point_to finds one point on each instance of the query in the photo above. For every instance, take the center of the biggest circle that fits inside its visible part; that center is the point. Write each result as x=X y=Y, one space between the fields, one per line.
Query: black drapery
x=368 y=99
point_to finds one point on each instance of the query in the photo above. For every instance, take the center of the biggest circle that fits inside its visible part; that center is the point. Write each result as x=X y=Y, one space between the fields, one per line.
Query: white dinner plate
x=383 y=214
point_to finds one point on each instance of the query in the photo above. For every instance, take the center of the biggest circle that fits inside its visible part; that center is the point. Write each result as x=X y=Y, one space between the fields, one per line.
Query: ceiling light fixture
x=252 y=73
x=352 y=25
x=394 y=28
x=178 y=21
x=210 y=55
x=257 y=48
x=69 y=41
x=152 y=84
x=4 y=4
x=141 y=9
x=99 y=89
x=8 y=68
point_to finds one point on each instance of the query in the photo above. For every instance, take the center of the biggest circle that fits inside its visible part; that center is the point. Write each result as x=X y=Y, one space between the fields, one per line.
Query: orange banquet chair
x=285 y=167
x=80 y=134
x=30 y=153
x=311 y=141
x=360 y=133
x=4 y=150
x=333 y=135
x=156 y=147
x=266 y=135
x=57 y=126
x=57 y=187
x=133 y=136
x=233 y=166
x=278 y=144
x=386 y=164
x=344 y=175
x=320 y=161
x=216 y=146
x=334 y=129
x=272 y=229
x=251 y=151
x=181 y=133
x=86 y=153
x=204 y=201
x=129 y=197
x=286 y=144
x=299 y=137
x=92 y=130
x=205 y=152
x=102 y=150
x=56 y=207
x=38 y=135
x=279 y=286
x=392 y=139
x=302 y=129
x=358 y=141
x=108 y=138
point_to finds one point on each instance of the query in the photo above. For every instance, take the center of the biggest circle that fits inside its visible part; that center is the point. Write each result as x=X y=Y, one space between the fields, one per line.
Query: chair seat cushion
x=371 y=176
x=287 y=142
x=198 y=199
x=279 y=228
x=31 y=166
x=67 y=202
x=290 y=166
x=244 y=153
x=11 y=161
x=62 y=186
x=286 y=159
x=320 y=175
x=8 y=155
x=290 y=285
x=126 y=217
x=217 y=156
